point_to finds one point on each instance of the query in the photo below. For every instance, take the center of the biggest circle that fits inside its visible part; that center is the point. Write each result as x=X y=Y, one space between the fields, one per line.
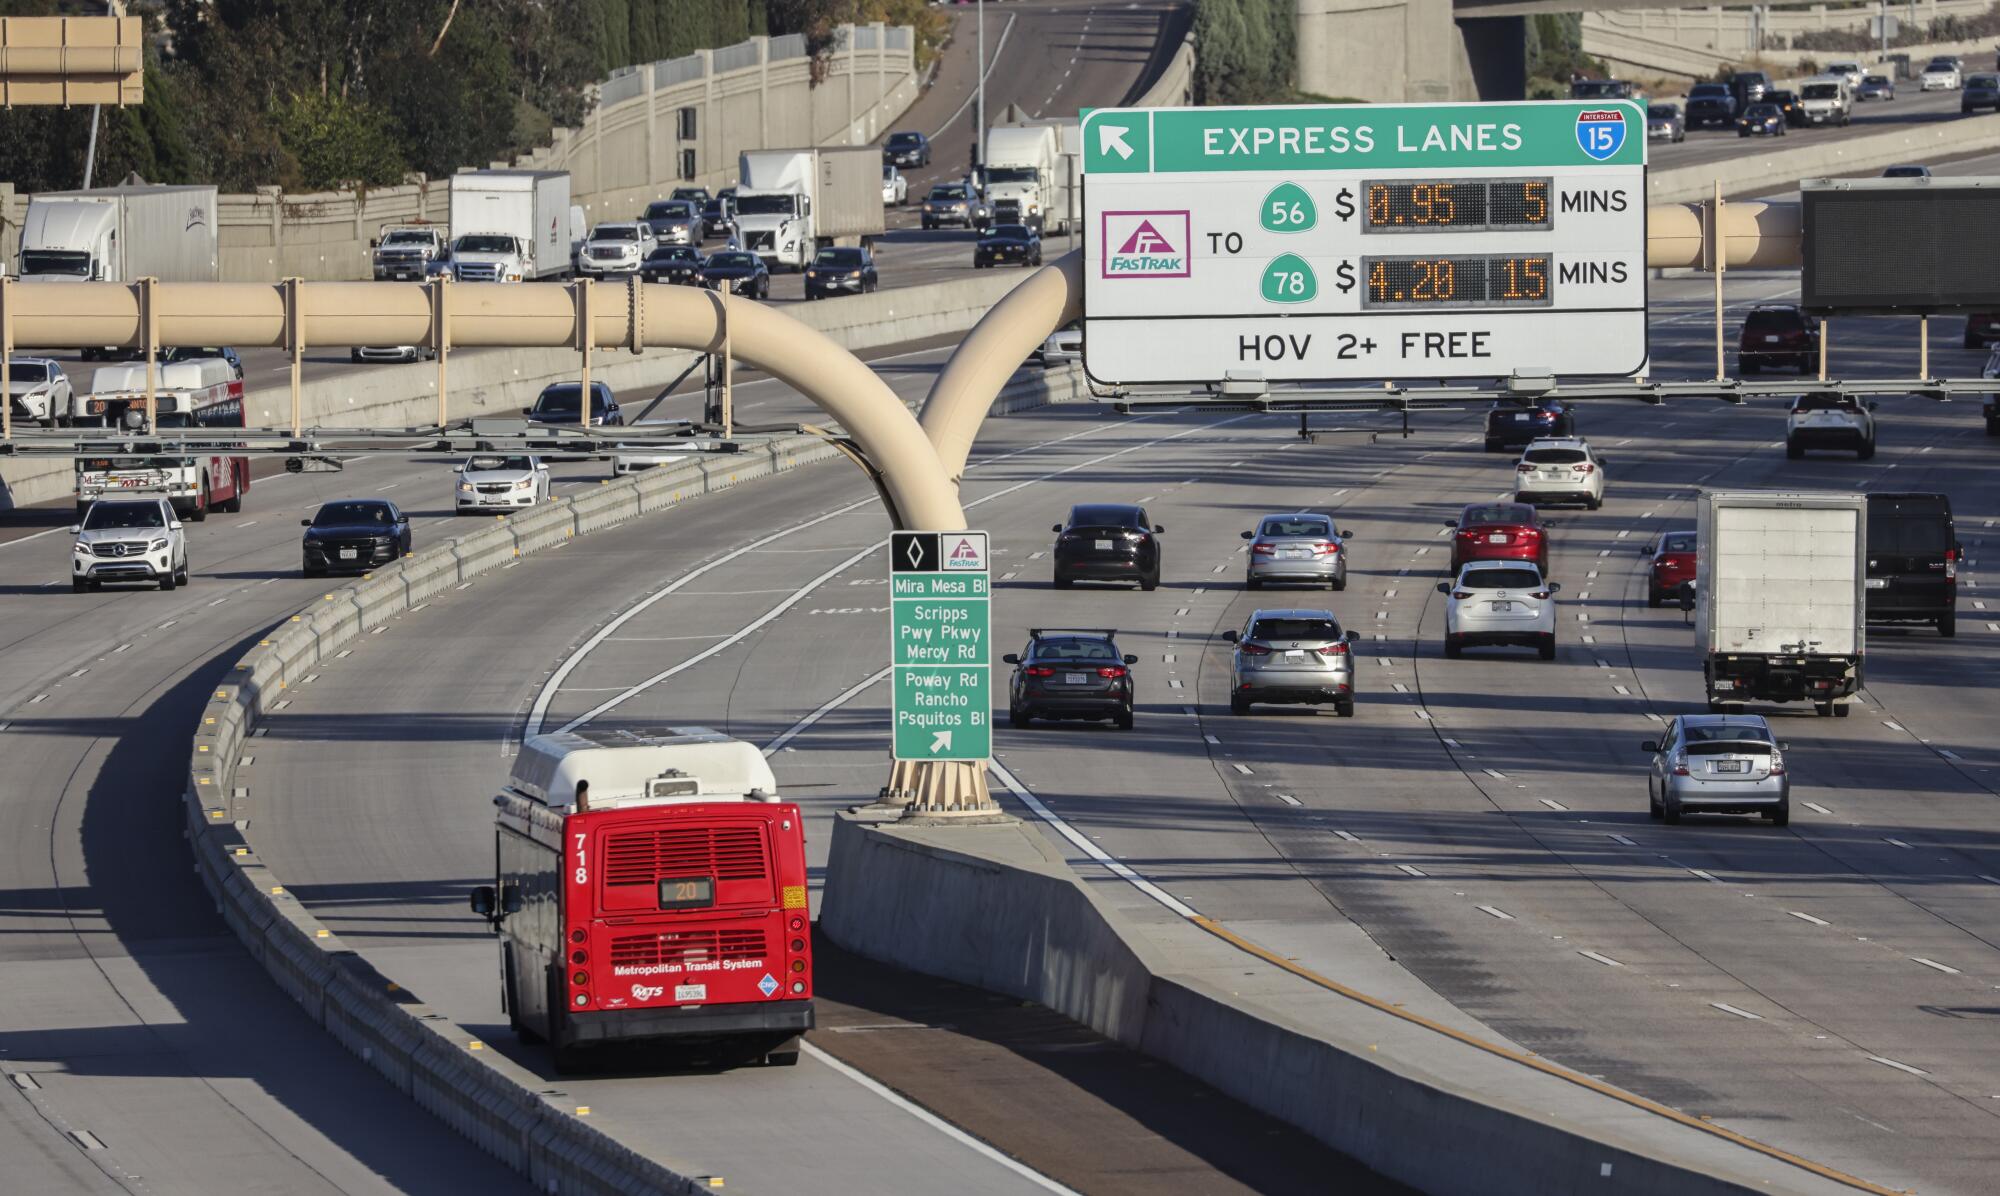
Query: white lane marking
x=1915 y=1071
x=38 y=699
x=1948 y=754
x=1400 y=687
x=1244 y=769
x=828 y=707
x=343 y=654
x=1182 y=611
x=1704 y=875
x=1168 y=658
x=167 y=624
x=1552 y=803
x=1346 y=836
x=1622 y=690
x=1289 y=800
x=121 y=648
x=1213 y=740
x=933 y=1120
x=80 y=672
x=1411 y=869
x=1606 y=960
x=1624 y=840
x=1494 y=773
x=1806 y=917
x=1218 y=568
x=1083 y=843
x=1742 y=1013
x=1450 y=741
x=1495 y=911
x=1175 y=684
x=1897 y=843
x=1947 y=969
x=1890 y=725
x=1816 y=808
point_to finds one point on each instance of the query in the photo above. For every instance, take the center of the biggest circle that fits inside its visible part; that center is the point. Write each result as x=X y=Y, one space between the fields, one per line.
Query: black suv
x=1710 y=104
x=1009 y=244
x=1913 y=560
x=906 y=149
x=1512 y=424
x=1107 y=542
x=1072 y=675
x=1777 y=335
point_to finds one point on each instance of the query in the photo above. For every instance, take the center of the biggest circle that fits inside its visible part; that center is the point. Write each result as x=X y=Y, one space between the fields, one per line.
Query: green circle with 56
x=1289 y=279
x=1288 y=209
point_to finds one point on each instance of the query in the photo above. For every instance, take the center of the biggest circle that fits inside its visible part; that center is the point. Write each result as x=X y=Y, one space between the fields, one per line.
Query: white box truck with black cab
x=792 y=203
x=510 y=225
x=1780 y=597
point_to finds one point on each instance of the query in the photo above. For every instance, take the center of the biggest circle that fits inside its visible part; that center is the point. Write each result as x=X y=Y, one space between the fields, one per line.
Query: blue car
x=1761 y=120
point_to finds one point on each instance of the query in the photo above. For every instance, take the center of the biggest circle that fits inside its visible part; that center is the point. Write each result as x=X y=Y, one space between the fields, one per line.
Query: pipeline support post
x=295 y=347
x=440 y=339
x=1718 y=254
x=149 y=343
x=728 y=375
x=585 y=335
x=1924 y=347
x=1825 y=332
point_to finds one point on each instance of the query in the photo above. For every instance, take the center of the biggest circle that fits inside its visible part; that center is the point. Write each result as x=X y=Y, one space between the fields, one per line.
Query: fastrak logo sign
x=1146 y=244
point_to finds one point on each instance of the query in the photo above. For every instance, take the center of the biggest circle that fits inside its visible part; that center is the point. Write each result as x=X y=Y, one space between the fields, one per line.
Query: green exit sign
x=940 y=636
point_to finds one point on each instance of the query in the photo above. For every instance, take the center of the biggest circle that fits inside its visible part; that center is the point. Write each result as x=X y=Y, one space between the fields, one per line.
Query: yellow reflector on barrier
x=320 y=934
x=475 y=1045
x=277 y=890
x=583 y=1110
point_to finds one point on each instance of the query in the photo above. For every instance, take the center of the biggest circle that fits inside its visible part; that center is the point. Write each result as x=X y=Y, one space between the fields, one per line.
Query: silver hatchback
x=1298 y=657
x=1718 y=763
x=1301 y=547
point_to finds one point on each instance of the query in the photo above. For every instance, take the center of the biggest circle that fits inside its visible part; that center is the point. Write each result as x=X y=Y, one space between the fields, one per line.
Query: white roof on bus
x=623 y=765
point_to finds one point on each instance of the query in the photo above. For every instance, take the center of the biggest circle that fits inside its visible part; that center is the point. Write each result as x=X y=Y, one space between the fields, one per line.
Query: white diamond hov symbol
x=769 y=984
x=916 y=553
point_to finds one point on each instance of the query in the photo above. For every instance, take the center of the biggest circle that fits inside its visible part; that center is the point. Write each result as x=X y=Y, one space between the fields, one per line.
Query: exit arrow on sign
x=940 y=742
x=1110 y=139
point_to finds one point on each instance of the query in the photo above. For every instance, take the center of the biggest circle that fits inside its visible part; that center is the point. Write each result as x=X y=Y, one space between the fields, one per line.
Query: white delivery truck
x=1780 y=597
x=791 y=203
x=510 y=225
x=1028 y=176
x=120 y=234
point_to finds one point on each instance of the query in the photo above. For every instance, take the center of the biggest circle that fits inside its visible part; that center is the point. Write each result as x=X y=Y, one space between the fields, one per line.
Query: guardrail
x=502 y=1107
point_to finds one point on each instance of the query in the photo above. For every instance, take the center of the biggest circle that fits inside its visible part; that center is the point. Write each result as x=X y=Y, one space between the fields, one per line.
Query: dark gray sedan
x=1664 y=122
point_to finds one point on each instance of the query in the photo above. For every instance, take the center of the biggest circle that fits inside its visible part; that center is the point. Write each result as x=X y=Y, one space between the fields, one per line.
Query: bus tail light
x=798 y=965
x=798 y=986
x=798 y=922
x=579 y=956
x=578 y=935
x=798 y=945
x=580 y=978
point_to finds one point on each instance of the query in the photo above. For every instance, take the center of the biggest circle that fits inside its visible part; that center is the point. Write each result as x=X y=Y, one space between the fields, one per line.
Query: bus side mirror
x=482 y=901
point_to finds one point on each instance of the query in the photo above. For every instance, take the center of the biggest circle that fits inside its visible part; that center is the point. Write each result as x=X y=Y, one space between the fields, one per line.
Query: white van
x=1826 y=100
x=1850 y=71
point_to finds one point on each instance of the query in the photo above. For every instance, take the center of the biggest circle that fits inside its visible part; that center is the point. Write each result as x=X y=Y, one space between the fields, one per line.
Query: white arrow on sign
x=1112 y=137
x=940 y=742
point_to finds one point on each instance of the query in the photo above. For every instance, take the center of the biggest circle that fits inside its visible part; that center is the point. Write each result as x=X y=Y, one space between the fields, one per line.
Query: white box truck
x=510 y=225
x=791 y=203
x=120 y=234
x=1030 y=175
x=1781 y=597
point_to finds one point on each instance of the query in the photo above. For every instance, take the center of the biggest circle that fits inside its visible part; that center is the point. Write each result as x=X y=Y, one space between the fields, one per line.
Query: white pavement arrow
x=1112 y=137
x=940 y=742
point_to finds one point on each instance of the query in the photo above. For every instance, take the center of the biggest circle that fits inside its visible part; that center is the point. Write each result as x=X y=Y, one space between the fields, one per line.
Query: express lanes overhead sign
x=1363 y=242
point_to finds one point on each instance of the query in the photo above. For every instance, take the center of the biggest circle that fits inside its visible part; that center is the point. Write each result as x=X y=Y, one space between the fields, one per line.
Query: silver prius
x=1292 y=656
x=1296 y=548
x=1719 y=763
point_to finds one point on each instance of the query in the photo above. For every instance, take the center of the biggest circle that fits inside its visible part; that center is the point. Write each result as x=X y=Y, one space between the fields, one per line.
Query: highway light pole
x=979 y=103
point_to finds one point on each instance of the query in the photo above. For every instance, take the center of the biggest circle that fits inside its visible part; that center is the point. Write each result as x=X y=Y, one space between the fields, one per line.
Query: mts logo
x=646 y=992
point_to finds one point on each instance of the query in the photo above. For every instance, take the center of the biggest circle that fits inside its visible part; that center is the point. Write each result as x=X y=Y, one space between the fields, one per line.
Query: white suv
x=501 y=484
x=129 y=539
x=1558 y=470
x=1499 y=602
x=615 y=248
x=1828 y=419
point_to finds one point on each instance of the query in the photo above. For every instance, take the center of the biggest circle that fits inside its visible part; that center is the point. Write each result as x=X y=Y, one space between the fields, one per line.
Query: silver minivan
x=1296 y=657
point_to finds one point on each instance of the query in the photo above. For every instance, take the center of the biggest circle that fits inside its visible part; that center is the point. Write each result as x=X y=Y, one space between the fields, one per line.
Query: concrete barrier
x=996 y=906
x=1781 y=169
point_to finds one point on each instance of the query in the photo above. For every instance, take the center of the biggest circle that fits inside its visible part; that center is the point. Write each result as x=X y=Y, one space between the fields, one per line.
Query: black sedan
x=1070 y=675
x=841 y=271
x=1009 y=244
x=354 y=534
x=672 y=263
x=735 y=270
x=1761 y=120
x=1107 y=542
x=1514 y=424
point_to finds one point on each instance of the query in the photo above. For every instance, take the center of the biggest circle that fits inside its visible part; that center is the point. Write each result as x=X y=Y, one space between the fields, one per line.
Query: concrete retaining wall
x=997 y=907
x=1781 y=169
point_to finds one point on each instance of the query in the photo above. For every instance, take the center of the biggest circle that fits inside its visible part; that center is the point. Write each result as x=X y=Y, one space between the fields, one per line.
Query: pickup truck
x=408 y=253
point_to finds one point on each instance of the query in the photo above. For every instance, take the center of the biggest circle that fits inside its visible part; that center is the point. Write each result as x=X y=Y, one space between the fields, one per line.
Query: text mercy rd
x=1255 y=140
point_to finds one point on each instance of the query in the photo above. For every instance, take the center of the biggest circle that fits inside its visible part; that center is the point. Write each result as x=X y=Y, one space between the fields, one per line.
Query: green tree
x=338 y=142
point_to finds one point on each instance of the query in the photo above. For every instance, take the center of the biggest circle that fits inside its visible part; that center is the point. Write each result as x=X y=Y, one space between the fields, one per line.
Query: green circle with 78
x=1289 y=279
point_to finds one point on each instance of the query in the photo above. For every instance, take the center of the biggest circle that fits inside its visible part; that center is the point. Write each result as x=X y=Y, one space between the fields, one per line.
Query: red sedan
x=1499 y=531
x=1673 y=565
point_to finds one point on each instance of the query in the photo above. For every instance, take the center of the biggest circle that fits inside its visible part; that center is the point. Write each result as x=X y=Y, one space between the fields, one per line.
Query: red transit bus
x=650 y=886
x=198 y=393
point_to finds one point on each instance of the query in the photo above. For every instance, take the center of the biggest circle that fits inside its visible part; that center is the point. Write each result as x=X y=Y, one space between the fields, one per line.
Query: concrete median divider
x=1781 y=169
x=999 y=908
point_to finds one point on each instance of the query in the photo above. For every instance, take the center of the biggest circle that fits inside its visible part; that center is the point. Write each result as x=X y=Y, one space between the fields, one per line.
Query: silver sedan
x=1295 y=657
x=1301 y=548
x=1718 y=763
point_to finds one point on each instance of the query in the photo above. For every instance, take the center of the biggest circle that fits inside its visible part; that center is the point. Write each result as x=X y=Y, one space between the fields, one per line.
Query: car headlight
x=82 y=549
x=159 y=545
x=525 y=484
x=465 y=488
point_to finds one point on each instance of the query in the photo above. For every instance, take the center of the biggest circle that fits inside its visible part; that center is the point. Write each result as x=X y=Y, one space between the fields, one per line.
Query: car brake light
x=1038 y=670
x=1524 y=467
x=1333 y=649
x=1951 y=564
x=1112 y=672
x=1461 y=594
x=1250 y=649
x=1585 y=467
x=1326 y=548
x=1680 y=766
x=1542 y=594
x=1777 y=763
x=1261 y=550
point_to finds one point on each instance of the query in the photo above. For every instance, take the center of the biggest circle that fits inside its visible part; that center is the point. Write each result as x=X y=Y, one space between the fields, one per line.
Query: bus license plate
x=690 y=992
x=1878 y=583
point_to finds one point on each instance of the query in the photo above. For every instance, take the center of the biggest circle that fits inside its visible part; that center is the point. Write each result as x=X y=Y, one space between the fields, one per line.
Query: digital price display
x=1460 y=281
x=1456 y=205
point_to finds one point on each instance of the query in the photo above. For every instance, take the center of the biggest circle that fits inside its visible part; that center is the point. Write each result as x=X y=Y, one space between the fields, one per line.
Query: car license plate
x=1728 y=766
x=1295 y=654
x=1772 y=340
x=1878 y=583
x=1076 y=678
x=1293 y=554
x=1497 y=538
x=348 y=554
x=1101 y=545
x=1503 y=606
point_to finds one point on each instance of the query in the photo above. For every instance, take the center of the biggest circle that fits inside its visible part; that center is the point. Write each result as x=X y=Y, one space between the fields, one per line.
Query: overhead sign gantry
x=1346 y=242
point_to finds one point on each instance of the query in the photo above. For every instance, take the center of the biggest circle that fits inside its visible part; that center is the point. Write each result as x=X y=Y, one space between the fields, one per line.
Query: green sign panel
x=940 y=628
x=1546 y=133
